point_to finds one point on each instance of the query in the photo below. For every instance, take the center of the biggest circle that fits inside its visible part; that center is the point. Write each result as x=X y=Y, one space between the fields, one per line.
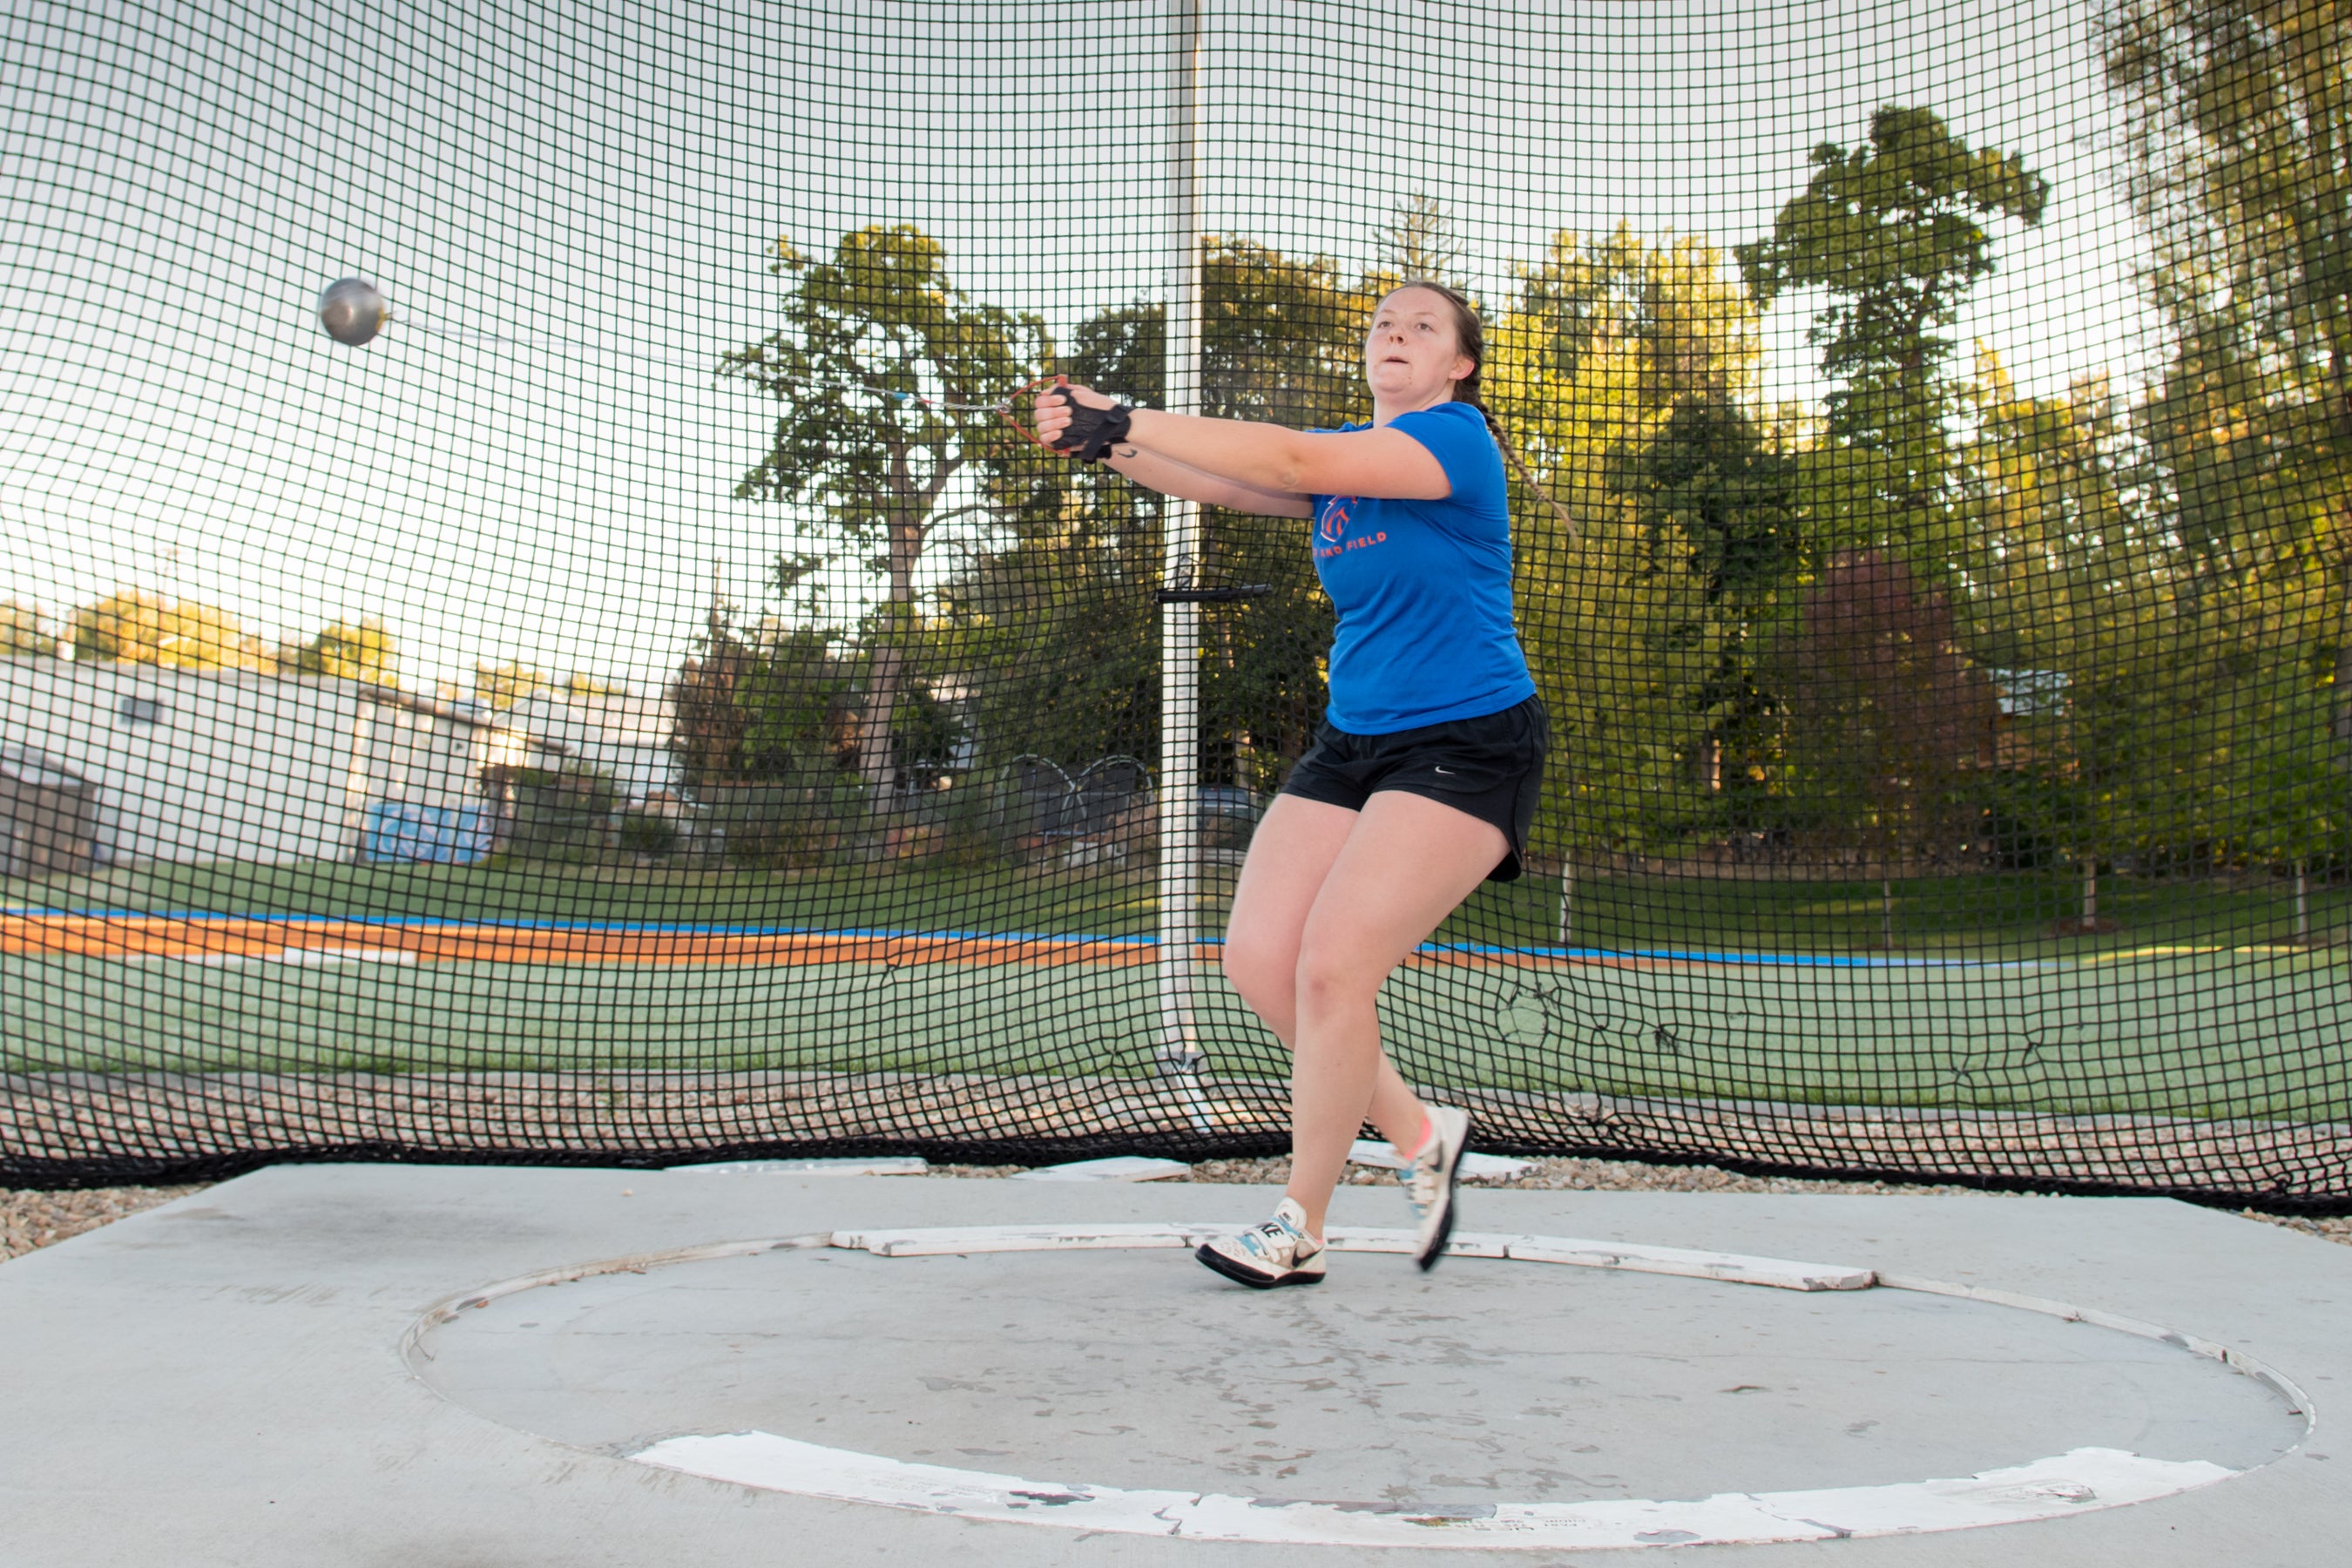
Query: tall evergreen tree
x=1419 y=241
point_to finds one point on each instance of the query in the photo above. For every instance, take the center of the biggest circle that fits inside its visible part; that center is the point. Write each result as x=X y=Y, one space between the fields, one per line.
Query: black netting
x=643 y=705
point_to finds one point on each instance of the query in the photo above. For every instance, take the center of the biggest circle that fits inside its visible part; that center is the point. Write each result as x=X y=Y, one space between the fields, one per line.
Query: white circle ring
x=2080 y=1481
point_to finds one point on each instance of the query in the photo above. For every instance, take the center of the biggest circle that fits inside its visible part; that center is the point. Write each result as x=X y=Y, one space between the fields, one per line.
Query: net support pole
x=1180 y=1053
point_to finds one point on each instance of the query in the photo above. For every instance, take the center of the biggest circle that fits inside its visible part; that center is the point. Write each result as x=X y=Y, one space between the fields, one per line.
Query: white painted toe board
x=1118 y=1168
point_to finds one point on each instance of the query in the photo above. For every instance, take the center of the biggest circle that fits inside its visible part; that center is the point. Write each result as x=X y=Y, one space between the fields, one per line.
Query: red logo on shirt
x=1333 y=524
x=1334 y=521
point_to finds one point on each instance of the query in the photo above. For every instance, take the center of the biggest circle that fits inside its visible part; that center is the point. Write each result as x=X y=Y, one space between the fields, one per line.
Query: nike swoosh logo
x=1448 y=775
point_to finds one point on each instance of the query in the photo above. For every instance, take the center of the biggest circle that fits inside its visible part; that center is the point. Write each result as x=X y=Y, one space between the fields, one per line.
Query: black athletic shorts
x=1491 y=766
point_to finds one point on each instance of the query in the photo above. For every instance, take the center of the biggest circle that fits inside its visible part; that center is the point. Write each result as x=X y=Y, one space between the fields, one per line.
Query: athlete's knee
x=1329 y=974
x=1263 y=978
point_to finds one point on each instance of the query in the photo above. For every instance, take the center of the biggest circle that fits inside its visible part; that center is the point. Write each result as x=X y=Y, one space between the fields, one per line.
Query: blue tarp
x=451 y=834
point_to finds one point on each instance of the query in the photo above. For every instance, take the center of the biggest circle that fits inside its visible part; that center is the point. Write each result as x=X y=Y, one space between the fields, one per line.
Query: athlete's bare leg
x=1329 y=902
x=1289 y=857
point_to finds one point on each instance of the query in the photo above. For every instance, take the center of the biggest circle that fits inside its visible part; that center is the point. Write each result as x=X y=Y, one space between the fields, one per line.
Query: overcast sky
x=180 y=183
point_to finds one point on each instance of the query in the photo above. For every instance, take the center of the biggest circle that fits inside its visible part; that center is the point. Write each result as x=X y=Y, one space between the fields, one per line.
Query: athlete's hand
x=1052 y=412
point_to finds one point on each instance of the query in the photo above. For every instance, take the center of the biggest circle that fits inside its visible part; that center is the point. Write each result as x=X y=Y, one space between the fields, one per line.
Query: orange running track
x=172 y=936
x=232 y=938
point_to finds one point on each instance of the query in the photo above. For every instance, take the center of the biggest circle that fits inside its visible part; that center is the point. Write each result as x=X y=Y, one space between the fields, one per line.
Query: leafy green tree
x=796 y=699
x=502 y=685
x=2143 y=560
x=1282 y=339
x=1282 y=336
x=2059 y=551
x=1057 y=634
x=364 y=651
x=772 y=701
x=579 y=684
x=2239 y=143
x=764 y=729
x=2058 y=583
x=1894 y=231
x=2239 y=149
x=866 y=333
x=139 y=628
x=1715 y=498
x=1068 y=600
x=1053 y=627
x=1597 y=617
x=930 y=734
x=22 y=630
x=1625 y=370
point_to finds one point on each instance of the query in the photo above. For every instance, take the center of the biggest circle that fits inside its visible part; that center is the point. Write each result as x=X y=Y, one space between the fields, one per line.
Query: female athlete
x=1424 y=778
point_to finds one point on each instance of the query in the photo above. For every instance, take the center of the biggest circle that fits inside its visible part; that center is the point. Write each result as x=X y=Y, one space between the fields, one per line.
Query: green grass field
x=2190 y=1007
x=2012 y=915
x=908 y=897
x=2224 y=1035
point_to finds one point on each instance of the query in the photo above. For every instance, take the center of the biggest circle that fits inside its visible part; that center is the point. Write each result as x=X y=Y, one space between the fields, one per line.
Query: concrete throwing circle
x=1450 y=1410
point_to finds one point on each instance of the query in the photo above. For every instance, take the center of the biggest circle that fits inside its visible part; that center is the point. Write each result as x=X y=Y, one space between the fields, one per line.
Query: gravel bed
x=34 y=1219
x=72 y=1117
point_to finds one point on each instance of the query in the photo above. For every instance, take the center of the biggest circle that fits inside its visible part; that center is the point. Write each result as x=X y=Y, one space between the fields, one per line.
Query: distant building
x=224 y=764
x=623 y=735
x=47 y=815
x=2030 y=693
x=2032 y=730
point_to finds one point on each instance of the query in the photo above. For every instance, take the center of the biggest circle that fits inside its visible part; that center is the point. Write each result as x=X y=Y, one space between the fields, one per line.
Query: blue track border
x=886 y=933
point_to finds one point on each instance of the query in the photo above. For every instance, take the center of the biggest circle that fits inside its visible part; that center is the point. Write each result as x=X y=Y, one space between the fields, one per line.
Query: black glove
x=1092 y=431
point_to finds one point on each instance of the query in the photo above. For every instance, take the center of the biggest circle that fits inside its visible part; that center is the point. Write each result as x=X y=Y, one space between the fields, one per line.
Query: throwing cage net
x=621 y=693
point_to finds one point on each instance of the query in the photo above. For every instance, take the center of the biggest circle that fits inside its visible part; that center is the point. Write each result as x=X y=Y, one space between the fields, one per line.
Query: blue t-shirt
x=1423 y=589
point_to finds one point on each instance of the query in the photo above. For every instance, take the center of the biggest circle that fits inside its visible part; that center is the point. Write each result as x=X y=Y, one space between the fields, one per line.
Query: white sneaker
x=1430 y=1176
x=1278 y=1252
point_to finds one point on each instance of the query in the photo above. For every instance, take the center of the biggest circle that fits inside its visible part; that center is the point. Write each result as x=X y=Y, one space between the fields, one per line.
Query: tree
x=865 y=334
x=2239 y=147
x=1626 y=371
x=21 y=630
x=1888 y=719
x=2058 y=583
x=1418 y=242
x=795 y=699
x=929 y=736
x=766 y=735
x=1894 y=231
x=795 y=694
x=1057 y=633
x=501 y=686
x=138 y=628
x=364 y=651
x=1066 y=604
x=1710 y=487
x=580 y=684
x=2239 y=154
x=708 y=724
x=1282 y=339
x=770 y=702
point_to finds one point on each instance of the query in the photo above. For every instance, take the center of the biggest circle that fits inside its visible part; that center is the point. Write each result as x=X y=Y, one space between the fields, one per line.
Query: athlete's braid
x=1518 y=466
x=1472 y=336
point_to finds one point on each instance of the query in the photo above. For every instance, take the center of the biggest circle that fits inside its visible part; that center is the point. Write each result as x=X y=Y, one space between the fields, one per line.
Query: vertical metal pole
x=359 y=773
x=1180 y=622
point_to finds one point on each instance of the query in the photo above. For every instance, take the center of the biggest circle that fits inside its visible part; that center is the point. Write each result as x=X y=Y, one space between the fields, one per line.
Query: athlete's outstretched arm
x=1170 y=478
x=1384 y=463
x=1268 y=458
